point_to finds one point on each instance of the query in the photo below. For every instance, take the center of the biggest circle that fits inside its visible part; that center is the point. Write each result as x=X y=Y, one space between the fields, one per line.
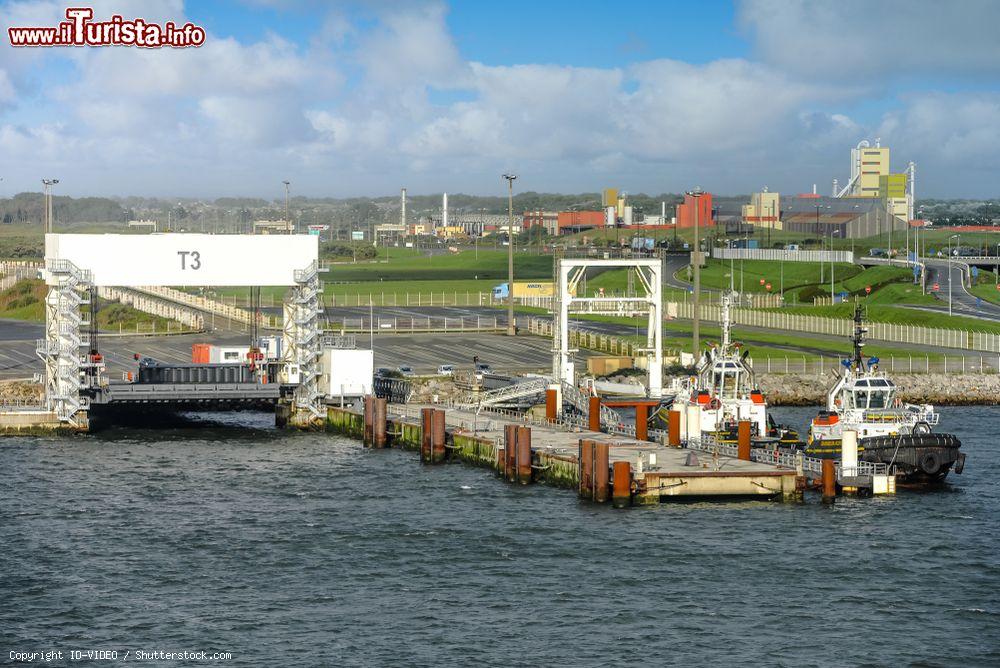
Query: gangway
x=506 y=393
x=580 y=400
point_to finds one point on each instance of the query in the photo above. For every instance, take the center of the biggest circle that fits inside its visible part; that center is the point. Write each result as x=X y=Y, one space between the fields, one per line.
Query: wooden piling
x=674 y=428
x=642 y=422
x=594 y=414
x=743 y=440
x=523 y=455
x=438 y=435
x=829 y=478
x=379 y=428
x=425 y=434
x=585 y=462
x=551 y=405
x=601 y=472
x=621 y=494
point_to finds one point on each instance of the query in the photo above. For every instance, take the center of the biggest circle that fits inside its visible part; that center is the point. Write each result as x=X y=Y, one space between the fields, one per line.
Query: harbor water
x=285 y=548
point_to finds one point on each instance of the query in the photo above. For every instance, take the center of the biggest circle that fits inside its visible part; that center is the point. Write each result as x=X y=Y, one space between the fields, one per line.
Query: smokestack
x=814 y=189
x=663 y=213
x=444 y=210
x=402 y=201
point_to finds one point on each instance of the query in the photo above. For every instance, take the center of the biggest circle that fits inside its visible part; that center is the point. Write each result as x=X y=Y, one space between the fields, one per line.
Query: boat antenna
x=859 y=338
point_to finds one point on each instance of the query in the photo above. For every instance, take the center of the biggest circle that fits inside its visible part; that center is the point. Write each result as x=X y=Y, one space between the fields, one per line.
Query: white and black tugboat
x=726 y=393
x=889 y=431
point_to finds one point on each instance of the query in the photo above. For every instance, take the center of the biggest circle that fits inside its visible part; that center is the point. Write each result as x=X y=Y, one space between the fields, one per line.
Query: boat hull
x=919 y=459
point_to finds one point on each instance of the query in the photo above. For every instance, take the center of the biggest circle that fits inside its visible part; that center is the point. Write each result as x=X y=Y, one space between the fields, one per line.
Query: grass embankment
x=986 y=287
x=25 y=300
x=880 y=312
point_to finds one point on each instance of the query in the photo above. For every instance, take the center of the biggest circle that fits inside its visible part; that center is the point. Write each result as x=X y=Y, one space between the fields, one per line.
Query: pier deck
x=657 y=472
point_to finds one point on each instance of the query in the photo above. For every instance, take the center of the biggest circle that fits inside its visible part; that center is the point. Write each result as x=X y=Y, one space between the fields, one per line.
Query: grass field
x=902 y=316
x=25 y=300
x=986 y=288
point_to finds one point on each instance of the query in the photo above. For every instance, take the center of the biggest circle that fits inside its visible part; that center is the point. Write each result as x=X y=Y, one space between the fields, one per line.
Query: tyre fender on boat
x=921 y=428
x=930 y=462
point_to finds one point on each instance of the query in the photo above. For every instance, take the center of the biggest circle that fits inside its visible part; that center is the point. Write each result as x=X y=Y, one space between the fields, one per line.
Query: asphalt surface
x=424 y=352
x=943 y=272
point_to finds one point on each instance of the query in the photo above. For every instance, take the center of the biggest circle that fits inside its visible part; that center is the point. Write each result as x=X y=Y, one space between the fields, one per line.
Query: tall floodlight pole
x=950 y=267
x=288 y=221
x=511 y=329
x=48 y=183
x=696 y=255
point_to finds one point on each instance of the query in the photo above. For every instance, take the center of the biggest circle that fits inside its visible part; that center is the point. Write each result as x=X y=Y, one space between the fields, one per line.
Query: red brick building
x=574 y=221
x=685 y=211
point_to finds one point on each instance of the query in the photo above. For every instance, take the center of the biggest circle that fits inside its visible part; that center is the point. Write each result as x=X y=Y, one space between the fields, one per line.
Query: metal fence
x=408 y=325
x=781 y=254
x=842 y=327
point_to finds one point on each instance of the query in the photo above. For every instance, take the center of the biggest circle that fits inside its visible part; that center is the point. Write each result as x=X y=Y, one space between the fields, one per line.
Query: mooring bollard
x=426 y=420
x=601 y=472
x=829 y=481
x=743 y=440
x=523 y=455
x=621 y=494
x=642 y=422
x=674 y=428
x=585 y=464
x=594 y=414
x=438 y=435
x=368 y=434
x=380 y=426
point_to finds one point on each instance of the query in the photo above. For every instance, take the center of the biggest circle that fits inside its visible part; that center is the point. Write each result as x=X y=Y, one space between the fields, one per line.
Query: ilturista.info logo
x=79 y=29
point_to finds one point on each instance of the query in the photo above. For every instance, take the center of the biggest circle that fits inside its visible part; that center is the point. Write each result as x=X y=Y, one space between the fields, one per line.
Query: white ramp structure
x=649 y=301
x=75 y=262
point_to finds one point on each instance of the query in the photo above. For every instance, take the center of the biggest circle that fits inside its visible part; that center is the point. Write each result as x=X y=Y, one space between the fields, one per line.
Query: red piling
x=523 y=455
x=380 y=426
x=509 y=450
x=368 y=433
x=594 y=414
x=743 y=440
x=642 y=422
x=601 y=472
x=585 y=462
x=621 y=494
x=426 y=420
x=674 y=428
x=551 y=405
x=829 y=480
x=438 y=435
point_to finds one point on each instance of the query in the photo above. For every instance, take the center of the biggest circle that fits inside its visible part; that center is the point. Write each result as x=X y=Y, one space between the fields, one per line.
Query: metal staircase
x=303 y=338
x=60 y=349
x=507 y=393
x=580 y=400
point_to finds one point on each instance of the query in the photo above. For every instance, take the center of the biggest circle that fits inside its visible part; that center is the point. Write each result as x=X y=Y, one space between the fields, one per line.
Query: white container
x=347 y=373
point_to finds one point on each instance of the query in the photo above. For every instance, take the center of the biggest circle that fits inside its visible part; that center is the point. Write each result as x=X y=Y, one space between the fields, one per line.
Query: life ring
x=714 y=404
x=930 y=462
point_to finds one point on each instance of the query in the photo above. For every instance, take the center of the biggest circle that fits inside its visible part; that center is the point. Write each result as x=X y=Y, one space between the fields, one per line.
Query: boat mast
x=726 y=324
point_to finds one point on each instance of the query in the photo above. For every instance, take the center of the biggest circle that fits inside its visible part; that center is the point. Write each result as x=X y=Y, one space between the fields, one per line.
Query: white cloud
x=865 y=40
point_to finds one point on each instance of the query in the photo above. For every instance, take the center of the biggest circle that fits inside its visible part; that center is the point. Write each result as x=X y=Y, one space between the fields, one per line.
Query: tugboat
x=889 y=431
x=727 y=393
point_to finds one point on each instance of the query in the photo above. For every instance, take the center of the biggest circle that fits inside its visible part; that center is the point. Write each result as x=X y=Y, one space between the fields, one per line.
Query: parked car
x=482 y=368
x=446 y=370
x=405 y=370
x=384 y=372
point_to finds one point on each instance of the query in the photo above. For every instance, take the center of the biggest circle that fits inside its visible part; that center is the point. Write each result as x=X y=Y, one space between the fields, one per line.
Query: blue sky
x=356 y=98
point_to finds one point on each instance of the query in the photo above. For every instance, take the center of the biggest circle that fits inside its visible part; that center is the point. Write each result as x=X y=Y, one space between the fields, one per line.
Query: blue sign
x=975 y=272
x=916 y=271
x=845 y=295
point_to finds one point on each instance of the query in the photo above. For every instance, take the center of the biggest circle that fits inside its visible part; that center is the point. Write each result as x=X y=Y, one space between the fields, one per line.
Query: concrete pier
x=581 y=460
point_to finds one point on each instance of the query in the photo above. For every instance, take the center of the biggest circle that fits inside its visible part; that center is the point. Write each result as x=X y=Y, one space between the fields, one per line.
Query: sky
x=362 y=98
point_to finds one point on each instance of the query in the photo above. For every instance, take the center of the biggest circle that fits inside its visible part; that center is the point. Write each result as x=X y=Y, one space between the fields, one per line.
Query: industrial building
x=686 y=211
x=764 y=210
x=577 y=221
x=843 y=217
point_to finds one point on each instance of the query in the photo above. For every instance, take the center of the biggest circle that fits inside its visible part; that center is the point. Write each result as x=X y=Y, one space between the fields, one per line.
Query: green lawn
x=716 y=274
x=877 y=312
x=986 y=288
x=25 y=300
x=465 y=265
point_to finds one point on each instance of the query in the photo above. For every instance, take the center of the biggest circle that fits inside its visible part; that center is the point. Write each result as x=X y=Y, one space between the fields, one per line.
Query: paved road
x=942 y=272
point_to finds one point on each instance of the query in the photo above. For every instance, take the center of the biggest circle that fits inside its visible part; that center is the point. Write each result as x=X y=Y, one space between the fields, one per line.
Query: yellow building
x=892 y=185
x=609 y=197
x=764 y=210
x=451 y=232
x=872 y=164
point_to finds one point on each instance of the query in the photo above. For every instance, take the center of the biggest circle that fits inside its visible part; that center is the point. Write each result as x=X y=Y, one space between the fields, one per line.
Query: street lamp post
x=832 y=232
x=48 y=183
x=511 y=329
x=950 y=265
x=696 y=255
x=288 y=222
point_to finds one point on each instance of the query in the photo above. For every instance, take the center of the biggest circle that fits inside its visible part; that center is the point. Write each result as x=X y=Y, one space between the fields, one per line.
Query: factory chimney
x=402 y=212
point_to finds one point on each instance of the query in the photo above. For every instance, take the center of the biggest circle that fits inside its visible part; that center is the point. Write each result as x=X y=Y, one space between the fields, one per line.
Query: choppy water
x=304 y=549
